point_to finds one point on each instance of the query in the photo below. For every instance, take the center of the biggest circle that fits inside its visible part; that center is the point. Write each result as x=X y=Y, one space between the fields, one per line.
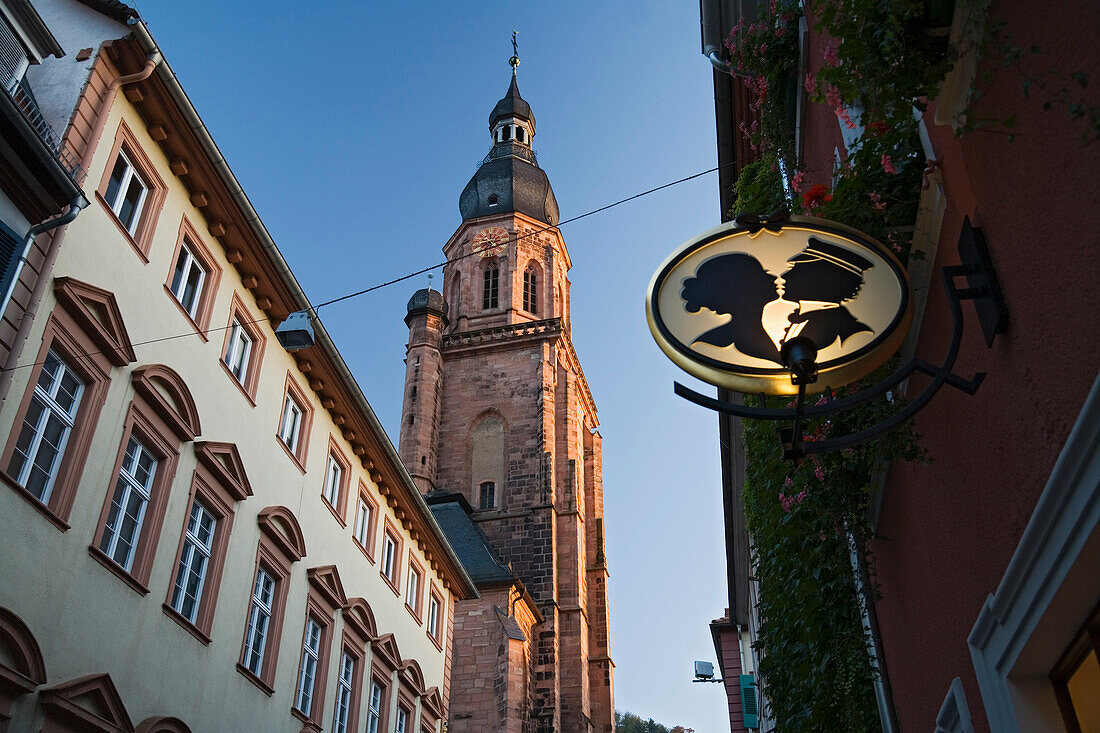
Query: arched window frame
x=490 y=285
x=531 y=278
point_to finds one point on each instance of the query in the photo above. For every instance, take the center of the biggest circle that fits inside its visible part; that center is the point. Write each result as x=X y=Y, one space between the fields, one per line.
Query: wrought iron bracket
x=979 y=275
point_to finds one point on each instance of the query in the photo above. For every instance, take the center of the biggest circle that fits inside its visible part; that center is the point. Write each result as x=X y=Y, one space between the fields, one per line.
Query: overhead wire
x=408 y=276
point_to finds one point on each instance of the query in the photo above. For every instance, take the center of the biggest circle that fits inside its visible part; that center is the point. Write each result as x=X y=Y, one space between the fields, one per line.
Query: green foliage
x=631 y=723
x=759 y=187
x=814 y=661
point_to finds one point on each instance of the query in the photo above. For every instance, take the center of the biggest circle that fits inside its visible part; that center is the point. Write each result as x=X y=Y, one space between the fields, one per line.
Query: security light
x=296 y=332
x=704 y=670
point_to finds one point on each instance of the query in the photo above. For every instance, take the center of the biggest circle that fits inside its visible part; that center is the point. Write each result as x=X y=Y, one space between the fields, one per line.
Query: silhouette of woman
x=738 y=285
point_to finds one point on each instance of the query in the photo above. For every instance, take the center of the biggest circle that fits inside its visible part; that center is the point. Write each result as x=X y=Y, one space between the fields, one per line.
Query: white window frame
x=182 y=274
x=334 y=477
x=290 y=424
x=307 y=670
x=259 y=619
x=412 y=588
x=239 y=351
x=126 y=489
x=374 y=707
x=46 y=395
x=402 y=720
x=195 y=559
x=343 y=693
x=389 y=557
x=363 y=516
x=434 y=606
x=128 y=175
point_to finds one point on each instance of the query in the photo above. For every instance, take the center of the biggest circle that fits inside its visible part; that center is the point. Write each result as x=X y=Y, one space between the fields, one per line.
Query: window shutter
x=13 y=57
x=9 y=251
x=748 y=701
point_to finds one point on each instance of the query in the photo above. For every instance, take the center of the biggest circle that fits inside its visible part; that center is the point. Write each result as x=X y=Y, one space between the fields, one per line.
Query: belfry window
x=530 y=291
x=507 y=132
x=488 y=495
x=491 y=288
x=519 y=134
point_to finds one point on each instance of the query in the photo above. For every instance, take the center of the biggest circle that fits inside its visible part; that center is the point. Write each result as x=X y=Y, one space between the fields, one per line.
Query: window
x=193 y=279
x=530 y=292
x=126 y=193
x=131 y=191
x=375 y=707
x=46 y=428
x=83 y=340
x=414 y=587
x=344 y=689
x=491 y=285
x=391 y=558
x=435 y=617
x=218 y=484
x=259 y=617
x=334 y=491
x=281 y=545
x=402 y=719
x=294 y=423
x=1075 y=674
x=161 y=416
x=519 y=133
x=487 y=495
x=187 y=281
x=243 y=349
x=507 y=132
x=198 y=546
x=363 y=529
x=493 y=199
x=307 y=670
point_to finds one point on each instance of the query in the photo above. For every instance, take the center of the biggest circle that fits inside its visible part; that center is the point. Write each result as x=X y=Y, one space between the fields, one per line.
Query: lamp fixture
x=296 y=332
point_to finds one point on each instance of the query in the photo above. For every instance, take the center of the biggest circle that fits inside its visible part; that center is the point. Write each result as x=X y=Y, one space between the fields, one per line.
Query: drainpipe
x=45 y=274
x=75 y=206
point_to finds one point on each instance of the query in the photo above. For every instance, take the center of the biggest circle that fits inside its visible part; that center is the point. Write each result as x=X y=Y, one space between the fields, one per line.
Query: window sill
x=118 y=570
x=189 y=627
x=311 y=725
x=199 y=329
x=237 y=383
x=335 y=512
x=297 y=461
x=35 y=502
x=391 y=583
x=437 y=642
x=266 y=688
x=125 y=233
x=414 y=614
x=364 y=550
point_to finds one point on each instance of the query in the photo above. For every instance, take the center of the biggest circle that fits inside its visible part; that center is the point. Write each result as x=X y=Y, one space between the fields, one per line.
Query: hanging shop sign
x=729 y=305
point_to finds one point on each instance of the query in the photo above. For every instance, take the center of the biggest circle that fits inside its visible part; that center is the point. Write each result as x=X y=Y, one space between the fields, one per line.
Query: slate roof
x=512 y=105
x=482 y=564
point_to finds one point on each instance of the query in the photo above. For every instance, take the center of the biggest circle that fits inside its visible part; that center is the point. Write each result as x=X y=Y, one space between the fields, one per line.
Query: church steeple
x=509 y=178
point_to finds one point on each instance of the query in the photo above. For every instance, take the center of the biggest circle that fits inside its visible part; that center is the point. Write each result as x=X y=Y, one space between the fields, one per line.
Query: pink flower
x=796 y=182
x=819 y=472
x=832 y=96
x=809 y=83
x=788 y=482
x=846 y=119
x=801 y=496
x=888 y=164
x=877 y=202
x=832 y=52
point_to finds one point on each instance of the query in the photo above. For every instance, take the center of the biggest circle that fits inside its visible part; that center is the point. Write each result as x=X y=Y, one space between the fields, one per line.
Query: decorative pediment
x=161 y=724
x=412 y=675
x=432 y=701
x=91 y=702
x=21 y=665
x=279 y=525
x=167 y=393
x=385 y=649
x=326 y=581
x=359 y=616
x=97 y=313
x=224 y=461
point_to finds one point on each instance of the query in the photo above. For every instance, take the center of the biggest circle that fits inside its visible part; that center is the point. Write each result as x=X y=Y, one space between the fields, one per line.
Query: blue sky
x=354 y=126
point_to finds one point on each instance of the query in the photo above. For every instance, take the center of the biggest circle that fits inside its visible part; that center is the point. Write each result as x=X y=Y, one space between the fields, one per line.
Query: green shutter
x=748 y=701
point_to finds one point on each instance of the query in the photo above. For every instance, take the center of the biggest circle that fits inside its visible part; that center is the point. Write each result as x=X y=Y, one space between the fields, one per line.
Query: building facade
x=199 y=530
x=986 y=557
x=499 y=430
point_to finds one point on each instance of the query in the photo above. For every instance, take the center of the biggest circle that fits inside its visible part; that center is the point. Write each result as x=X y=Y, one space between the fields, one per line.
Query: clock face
x=489 y=241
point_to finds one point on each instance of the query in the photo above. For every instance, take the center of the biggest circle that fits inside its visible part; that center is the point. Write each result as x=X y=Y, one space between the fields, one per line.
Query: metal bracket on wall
x=982 y=287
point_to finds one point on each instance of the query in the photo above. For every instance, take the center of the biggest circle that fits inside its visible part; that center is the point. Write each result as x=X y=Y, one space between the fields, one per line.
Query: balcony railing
x=24 y=99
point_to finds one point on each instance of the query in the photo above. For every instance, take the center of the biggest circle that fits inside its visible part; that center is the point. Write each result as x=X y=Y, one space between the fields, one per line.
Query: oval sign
x=722 y=305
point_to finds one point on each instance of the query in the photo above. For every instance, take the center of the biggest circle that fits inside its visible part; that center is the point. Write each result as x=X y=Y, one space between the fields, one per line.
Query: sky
x=353 y=126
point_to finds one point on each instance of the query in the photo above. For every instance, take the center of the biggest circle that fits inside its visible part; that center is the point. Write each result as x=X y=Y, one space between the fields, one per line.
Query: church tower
x=499 y=430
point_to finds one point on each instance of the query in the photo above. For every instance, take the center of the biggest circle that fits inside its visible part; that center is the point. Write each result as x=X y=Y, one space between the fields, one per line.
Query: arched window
x=491 y=287
x=530 y=291
x=487 y=462
x=456 y=295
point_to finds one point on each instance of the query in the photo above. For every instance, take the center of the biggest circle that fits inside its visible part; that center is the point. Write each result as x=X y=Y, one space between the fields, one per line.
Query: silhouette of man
x=738 y=285
x=821 y=277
